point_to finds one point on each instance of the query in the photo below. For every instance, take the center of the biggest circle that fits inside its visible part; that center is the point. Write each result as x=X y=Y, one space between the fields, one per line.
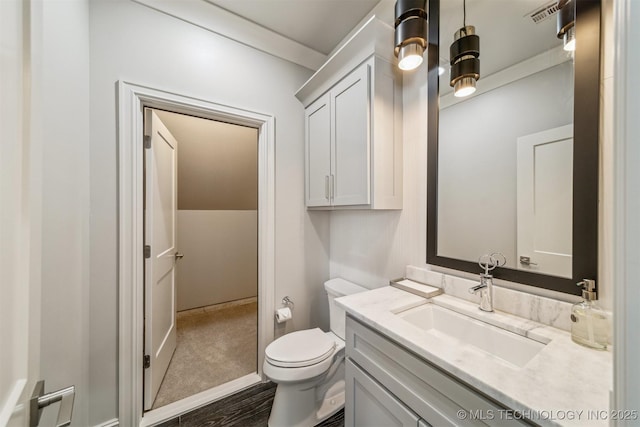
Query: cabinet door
x=350 y=107
x=317 y=119
x=369 y=404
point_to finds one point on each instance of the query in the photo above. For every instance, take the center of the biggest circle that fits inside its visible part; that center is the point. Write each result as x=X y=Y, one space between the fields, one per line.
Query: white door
x=19 y=286
x=545 y=201
x=21 y=163
x=350 y=152
x=318 y=154
x=160 y=250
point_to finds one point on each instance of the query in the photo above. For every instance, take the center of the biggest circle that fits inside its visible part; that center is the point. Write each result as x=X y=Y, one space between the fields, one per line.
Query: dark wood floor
x=249 y=408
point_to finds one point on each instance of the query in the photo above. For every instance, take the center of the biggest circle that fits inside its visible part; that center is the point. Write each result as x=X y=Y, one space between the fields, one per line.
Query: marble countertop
x=564 y=384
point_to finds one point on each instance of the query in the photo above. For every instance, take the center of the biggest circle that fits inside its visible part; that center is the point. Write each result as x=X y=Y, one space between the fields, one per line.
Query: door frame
x=132 y=99
x=626 y=245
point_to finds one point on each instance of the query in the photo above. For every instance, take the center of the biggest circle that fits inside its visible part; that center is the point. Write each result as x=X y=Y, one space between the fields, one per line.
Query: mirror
x=513 y=168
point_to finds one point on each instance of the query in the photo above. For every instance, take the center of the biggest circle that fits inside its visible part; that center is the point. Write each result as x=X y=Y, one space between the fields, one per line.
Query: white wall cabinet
x=317 y=119
x=353 y=141
x=353 y=127
x=385 y=380
x=350 y=147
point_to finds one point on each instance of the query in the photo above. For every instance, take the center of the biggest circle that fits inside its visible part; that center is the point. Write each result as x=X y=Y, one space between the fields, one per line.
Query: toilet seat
x=300 y=349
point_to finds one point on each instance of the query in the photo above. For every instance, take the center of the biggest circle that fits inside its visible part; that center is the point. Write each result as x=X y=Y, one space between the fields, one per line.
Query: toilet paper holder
x=286 y=301
x=285 y=313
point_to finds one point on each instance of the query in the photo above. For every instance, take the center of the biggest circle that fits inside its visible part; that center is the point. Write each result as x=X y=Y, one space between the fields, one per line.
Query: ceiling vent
x=544 y=12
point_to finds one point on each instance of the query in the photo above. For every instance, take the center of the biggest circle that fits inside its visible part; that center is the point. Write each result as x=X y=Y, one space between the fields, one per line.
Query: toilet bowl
x=308 y=367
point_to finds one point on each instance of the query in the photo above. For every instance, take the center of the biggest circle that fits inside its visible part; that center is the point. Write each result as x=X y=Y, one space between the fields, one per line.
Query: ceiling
x=507 y=33
x=317 y=24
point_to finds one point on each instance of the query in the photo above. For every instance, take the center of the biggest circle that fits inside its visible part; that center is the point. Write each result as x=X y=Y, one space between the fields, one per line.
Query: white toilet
x=308 y=367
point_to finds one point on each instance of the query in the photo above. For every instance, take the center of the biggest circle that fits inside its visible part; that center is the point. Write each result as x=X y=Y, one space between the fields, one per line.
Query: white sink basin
x=450 y=325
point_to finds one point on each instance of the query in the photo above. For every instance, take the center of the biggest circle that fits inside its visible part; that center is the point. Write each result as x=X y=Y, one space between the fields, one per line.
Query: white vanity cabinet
x=353 y=129
x=388 y=383
x=375 y=405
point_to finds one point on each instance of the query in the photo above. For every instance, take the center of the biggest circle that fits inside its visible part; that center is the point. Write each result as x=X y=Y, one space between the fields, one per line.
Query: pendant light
x=566 y=24
x=464 y=53
x=410 y=33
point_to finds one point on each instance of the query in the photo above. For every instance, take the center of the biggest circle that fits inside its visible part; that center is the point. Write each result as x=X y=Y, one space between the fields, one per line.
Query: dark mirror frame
x=585 y=156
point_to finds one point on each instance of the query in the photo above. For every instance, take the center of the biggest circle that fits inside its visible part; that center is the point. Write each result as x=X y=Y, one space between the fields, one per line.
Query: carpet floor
x=215 y=345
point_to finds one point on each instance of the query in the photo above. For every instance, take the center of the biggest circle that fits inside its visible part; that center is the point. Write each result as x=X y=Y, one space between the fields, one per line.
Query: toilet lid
x=301 y=348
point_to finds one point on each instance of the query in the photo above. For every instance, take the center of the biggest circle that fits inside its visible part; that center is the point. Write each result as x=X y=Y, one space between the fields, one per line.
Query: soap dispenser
x=589 y=323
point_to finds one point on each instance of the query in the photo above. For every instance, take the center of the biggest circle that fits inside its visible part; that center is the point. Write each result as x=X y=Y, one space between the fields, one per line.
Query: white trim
x=222 y=22
x=627 y=208
x=526 y=68
x=111 y=423
x=131 y=100
x=373 y=38
x=188 y=404
x=9 y=405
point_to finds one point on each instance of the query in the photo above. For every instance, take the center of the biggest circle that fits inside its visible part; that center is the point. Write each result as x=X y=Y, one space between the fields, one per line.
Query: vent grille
x=544 y=12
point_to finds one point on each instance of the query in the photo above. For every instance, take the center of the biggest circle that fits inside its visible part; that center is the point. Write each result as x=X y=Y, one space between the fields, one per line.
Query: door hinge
x=147 y=251
x=147 y=128
x=147 y=361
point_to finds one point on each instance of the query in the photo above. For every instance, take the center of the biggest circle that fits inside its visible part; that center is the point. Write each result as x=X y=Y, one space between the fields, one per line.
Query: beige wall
x=220 y=261
x=217 y=163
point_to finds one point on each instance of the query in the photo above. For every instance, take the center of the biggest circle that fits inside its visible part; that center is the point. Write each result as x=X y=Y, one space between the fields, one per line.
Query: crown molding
x=224 y=23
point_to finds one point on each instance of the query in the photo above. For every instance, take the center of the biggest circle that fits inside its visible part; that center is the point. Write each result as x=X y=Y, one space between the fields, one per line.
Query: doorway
x=132 y=101
x=201 y=236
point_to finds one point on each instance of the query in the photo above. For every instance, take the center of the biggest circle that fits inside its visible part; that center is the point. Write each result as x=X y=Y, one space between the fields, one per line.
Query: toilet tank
x=337 y=288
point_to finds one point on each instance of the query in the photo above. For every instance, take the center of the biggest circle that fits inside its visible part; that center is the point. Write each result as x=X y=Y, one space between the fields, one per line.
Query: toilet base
x=306 y=404
x=330 y=406
x=300 y=408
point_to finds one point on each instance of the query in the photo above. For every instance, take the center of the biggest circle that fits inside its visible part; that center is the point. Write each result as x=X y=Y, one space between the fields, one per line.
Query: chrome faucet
x=486 y=292
x=488 y=263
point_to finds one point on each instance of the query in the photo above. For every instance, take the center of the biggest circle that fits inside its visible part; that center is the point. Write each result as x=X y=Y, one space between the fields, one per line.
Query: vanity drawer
x=433 y=394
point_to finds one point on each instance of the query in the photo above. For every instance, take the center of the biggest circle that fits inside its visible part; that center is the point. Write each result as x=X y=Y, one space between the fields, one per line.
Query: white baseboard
x=172 y=410
x=111 y=423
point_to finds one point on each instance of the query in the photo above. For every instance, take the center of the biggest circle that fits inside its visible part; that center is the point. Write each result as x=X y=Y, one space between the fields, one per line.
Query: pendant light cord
x=464 y=13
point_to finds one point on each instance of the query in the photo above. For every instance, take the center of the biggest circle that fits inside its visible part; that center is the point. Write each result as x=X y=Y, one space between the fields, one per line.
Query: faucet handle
x=499 y=258
x=475 y=289
x=489 y=262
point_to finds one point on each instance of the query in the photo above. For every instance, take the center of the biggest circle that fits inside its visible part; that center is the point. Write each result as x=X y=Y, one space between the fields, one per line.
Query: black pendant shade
x=411 y=31
x=566 y=23
x=464 y=60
